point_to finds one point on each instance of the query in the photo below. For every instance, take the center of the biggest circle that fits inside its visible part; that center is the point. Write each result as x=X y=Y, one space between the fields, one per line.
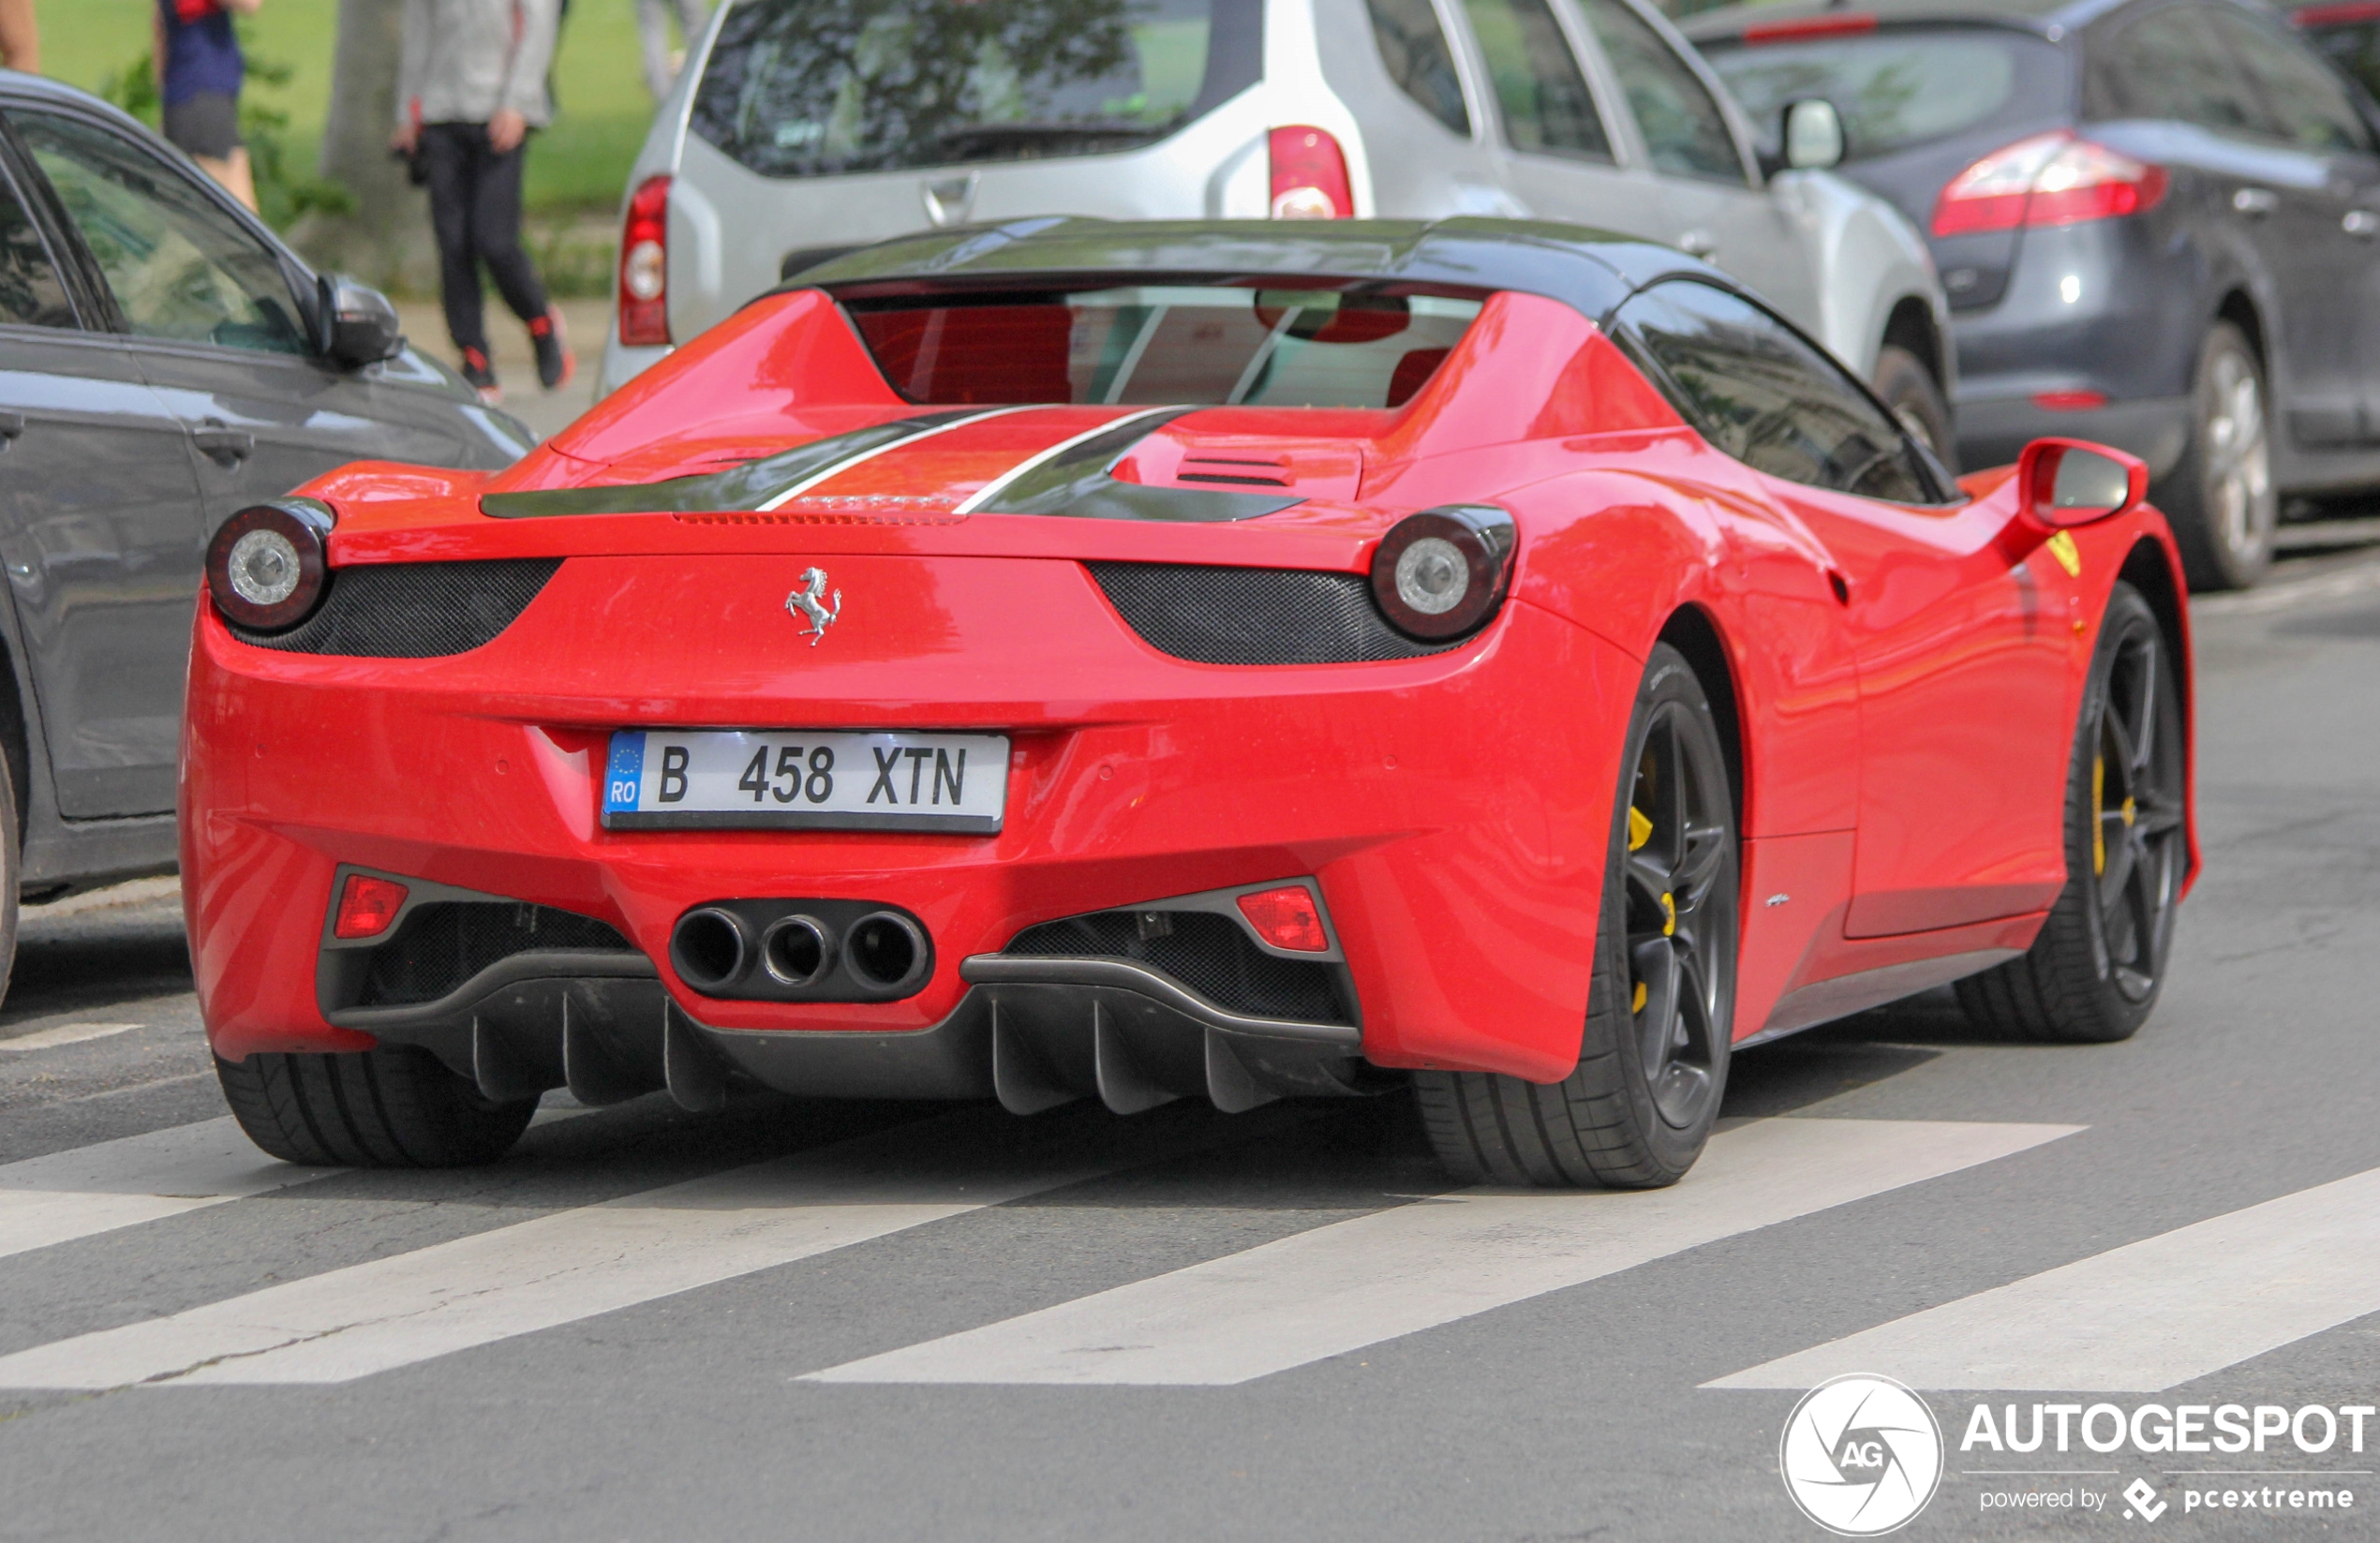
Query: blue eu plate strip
x=626 y=774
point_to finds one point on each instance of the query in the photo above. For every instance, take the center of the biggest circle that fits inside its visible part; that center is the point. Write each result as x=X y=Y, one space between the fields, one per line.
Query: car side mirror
x=1813 y=135
x=2068 y=483
x=359 y=325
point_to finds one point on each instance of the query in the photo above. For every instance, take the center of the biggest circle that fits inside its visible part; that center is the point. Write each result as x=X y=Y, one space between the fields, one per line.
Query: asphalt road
x=871 y=1321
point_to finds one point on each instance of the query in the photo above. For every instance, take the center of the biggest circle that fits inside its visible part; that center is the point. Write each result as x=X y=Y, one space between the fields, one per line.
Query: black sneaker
x=482 y=374
x=555 y=363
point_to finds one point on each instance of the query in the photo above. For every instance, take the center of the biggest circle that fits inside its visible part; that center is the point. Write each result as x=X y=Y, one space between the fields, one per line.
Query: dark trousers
x=475 y=208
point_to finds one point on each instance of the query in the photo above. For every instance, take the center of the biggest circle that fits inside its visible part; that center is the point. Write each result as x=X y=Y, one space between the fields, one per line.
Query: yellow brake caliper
x=1639 y=830
x=2098 y=810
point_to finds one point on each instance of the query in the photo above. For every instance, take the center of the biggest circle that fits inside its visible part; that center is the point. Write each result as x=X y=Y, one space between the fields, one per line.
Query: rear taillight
x=2049 y=179
x=644 y=267
x=1309 y=175
x=267 y=565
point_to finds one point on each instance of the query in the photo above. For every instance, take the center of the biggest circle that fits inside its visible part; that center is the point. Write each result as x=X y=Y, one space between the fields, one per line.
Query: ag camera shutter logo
x=1861 y=1455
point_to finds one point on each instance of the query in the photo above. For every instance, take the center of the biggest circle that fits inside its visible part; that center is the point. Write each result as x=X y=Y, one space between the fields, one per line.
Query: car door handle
x=2256 y=203
x=2362 y=223
x=223 y=444
x=12 y=423
x=1700 y=244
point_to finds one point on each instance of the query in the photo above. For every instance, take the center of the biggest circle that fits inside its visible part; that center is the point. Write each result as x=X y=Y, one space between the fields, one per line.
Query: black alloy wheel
x=1653 y=1058
x=1680 y=835
x=2094 y=973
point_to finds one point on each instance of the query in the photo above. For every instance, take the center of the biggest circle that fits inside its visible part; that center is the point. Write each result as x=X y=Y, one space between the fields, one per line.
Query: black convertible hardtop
x=1590 y=271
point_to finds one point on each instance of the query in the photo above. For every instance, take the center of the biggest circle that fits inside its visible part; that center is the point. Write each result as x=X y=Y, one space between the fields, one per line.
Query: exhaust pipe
x=711 y=948
x=796 y=950
x=885 y=951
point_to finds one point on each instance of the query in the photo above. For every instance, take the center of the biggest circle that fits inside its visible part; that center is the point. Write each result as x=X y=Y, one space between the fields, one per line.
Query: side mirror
x=1813 y=135
x=2067 y=482
x=359 y=325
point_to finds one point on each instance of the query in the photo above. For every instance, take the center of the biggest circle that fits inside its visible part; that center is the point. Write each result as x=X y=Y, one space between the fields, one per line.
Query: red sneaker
x=482 y=374
x=555 y=363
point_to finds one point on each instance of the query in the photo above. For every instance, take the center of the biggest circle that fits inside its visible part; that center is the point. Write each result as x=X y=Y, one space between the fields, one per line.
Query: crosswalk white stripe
x=1356 y=1283
x=120 y=1183
x=2137 y=1319
x=556 y=1269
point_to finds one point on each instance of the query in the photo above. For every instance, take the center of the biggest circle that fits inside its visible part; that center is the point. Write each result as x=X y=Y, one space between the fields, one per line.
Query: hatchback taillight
x=1309 y=175
x=2048 y=179
x=644 y=267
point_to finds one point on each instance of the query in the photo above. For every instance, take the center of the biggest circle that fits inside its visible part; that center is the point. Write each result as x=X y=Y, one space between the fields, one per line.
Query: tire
x=11 y=875
x=1908 y=387
x=2220 y=498
x=397 y=1107
x=1613 y=1122
x=2094 y=972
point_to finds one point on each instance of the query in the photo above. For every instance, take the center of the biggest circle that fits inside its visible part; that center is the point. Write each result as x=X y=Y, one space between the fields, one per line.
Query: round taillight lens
x=644 y=271
x=1442 y=572
x=266 y=568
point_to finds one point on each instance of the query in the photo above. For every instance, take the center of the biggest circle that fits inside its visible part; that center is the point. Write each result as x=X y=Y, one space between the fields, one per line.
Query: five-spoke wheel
x=2094 y=971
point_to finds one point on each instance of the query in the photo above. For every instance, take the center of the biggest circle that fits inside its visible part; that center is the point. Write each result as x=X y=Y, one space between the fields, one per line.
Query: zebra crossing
x=2144 y=1316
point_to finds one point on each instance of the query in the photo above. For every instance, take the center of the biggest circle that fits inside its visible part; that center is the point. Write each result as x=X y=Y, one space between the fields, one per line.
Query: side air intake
x=1255 y=616
x=413 y=610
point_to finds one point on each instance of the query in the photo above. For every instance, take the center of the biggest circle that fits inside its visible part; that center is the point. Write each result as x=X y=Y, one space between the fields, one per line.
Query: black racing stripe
x=1077 y=483
x=744 y=487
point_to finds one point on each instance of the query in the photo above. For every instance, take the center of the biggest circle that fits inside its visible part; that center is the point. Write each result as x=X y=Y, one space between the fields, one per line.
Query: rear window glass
x=2353 y=46
x=1893 y=88
x=1201 y=345
x=797 y=88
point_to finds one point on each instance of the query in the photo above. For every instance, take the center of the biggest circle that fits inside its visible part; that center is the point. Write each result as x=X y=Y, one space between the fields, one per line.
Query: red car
x=1141 y=662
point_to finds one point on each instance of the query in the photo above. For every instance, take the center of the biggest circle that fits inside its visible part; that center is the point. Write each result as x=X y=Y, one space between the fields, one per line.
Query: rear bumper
x=1460 y=870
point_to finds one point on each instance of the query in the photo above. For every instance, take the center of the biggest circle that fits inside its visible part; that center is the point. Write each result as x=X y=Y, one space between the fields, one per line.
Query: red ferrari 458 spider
x=1144 y=661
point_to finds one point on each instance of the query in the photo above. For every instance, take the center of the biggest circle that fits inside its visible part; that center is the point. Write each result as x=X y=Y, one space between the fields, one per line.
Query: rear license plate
x=715 y=778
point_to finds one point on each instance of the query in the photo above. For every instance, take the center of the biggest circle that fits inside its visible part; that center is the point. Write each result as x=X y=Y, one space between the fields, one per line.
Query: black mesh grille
x=413 y=610
x=1255 y=616
x=445 y=942
x=1207 y=952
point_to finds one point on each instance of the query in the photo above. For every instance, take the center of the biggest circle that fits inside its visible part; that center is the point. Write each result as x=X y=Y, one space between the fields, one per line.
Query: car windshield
x=1893 y=88
x=1192 y=343
x=797 y=88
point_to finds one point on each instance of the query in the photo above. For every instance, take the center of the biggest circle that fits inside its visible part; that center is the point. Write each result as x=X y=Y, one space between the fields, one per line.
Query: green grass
x=580 y=163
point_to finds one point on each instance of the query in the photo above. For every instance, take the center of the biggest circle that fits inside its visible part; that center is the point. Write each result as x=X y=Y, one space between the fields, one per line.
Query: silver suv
x=805 y=127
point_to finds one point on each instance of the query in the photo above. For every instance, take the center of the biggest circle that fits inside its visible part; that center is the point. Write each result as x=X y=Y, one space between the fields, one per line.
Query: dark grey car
x=2156 y=219
x=164 y=362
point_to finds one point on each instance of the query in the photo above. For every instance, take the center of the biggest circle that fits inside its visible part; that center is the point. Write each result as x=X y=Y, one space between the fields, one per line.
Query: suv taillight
x=2048 y=179
x=1309 y=175
x=644 y=267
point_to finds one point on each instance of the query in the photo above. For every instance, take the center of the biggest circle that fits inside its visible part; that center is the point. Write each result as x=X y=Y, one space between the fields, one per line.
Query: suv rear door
x=1556 y=141
x=1709 y=183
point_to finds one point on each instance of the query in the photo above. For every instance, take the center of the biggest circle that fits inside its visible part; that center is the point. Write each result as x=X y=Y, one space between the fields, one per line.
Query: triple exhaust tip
x=714 y=949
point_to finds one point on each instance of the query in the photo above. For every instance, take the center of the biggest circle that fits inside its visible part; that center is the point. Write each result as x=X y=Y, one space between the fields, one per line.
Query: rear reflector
x=1287 y=919
x=2070 y=401
x=1309 y=175
x=2047 y=179
x=2337 y=15
x=644 y=267
x=367 y=906
x=1808 y=26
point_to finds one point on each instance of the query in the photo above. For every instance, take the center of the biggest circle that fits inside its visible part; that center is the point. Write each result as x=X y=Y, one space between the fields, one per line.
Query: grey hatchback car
x=164 y=363
x=2156 y=220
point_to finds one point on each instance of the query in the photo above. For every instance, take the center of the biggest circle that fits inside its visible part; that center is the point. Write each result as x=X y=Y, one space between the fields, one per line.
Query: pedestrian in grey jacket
x=469 y=90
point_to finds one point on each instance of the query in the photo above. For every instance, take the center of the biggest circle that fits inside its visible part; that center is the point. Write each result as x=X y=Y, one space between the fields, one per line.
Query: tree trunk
x=384 y=239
